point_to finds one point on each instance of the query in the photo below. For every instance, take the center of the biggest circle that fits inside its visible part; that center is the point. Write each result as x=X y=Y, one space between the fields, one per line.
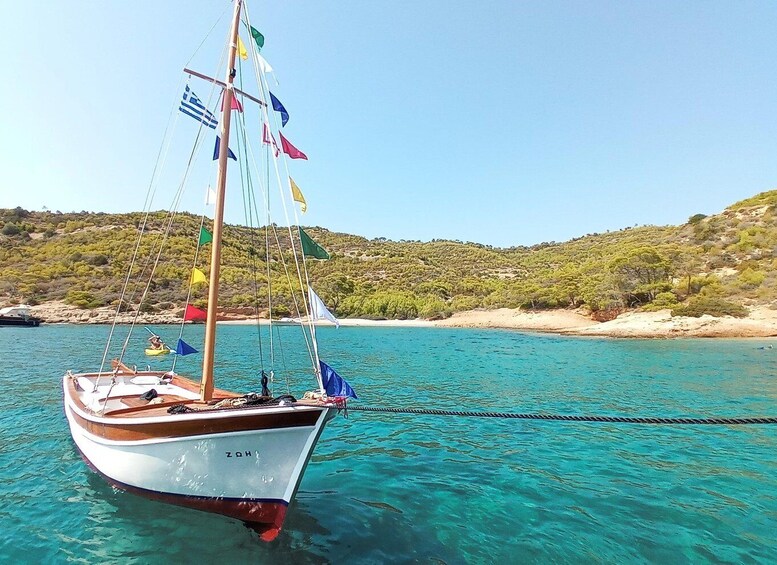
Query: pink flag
x=290 y=150
x=268 y=138
x=194 y=314
x=236 y=105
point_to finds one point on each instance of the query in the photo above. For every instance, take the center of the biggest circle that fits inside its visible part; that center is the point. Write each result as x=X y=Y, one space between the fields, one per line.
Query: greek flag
x=191 y=106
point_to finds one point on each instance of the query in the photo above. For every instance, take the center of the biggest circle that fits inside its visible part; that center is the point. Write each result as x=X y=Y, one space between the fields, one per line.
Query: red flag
x=269 y=139
x=193 y=314
x=236 y=105
x=290 y=150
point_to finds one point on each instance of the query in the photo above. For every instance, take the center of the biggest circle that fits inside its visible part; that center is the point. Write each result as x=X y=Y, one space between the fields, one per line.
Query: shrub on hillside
x=662 y=300
x=750 y=278
x=707 y=284
x=460 y=303
x=433 y=308
x=713 y=306
x=98 y=260
x=696 y=218
x=11 y=229
x=83 y=299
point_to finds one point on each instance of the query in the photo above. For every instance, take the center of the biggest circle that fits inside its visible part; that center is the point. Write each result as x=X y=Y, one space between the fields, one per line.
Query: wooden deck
x=133 y=406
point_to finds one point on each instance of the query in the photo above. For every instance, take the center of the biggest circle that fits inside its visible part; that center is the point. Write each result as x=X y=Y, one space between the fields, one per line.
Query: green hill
x=712 y=264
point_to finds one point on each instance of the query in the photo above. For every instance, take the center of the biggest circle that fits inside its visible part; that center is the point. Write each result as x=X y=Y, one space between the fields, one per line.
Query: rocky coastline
x=761 y=323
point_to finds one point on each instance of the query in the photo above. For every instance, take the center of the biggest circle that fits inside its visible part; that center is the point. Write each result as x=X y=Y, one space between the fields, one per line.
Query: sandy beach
x=346 y=322
x=761 y=323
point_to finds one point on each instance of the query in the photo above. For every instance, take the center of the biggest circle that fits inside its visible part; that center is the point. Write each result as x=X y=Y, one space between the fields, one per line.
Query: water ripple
x=404 y=488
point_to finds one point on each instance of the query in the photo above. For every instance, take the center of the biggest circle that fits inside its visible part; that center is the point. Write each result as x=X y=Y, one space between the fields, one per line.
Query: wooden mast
x=206 y=387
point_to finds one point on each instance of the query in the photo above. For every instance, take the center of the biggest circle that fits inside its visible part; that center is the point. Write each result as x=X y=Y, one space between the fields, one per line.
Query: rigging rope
x=573 y=418
x=299 y=259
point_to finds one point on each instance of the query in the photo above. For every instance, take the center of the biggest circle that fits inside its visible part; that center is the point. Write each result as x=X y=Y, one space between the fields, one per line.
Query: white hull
x=250 y=474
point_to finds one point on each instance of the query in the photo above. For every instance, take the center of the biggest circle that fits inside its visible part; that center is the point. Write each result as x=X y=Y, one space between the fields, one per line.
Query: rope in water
x=571 y=418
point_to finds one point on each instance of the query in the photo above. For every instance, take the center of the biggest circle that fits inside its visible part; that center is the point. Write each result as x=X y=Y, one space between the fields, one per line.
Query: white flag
x=318 y=311
x=210 y=197
x=263 y=64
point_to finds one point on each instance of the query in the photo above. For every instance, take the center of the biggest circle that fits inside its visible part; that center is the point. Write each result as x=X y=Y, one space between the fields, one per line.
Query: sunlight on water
x=388 y=488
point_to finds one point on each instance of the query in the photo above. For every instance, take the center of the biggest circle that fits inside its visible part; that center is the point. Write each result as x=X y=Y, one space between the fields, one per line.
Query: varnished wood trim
x=138 y=405
x=201 y=424
x=188 y=424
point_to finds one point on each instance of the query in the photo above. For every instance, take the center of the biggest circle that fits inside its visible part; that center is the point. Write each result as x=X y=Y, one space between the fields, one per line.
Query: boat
x=179 y=439
x=286 y=321
x=18 y=316
x=158 y=347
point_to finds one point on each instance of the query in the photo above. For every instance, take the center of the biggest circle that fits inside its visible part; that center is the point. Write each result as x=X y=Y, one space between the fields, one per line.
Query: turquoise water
x=401 y=488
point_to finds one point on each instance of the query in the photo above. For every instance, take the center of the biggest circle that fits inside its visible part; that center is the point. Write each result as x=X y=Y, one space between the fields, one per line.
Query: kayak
x=164 y=351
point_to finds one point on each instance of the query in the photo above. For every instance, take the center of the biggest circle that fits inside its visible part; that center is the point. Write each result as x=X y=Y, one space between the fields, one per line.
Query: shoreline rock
x=58 y=312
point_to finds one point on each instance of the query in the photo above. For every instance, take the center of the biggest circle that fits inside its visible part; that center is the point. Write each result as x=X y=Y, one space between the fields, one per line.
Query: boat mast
x=206 y=386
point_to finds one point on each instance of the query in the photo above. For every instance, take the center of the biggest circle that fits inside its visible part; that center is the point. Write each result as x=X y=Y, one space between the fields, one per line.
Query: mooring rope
x=570 y=418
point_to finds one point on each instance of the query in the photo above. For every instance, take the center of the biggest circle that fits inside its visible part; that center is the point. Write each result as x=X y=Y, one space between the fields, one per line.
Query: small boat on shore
x=18 y=316
x=287 y=322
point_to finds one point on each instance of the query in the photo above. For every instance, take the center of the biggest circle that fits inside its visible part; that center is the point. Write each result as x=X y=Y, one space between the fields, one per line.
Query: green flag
x=310 y=248
x=258 y=37
x=205 y=236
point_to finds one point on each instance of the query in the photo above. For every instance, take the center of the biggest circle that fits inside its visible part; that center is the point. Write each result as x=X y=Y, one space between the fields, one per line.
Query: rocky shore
x=60 y=313
x=761 y=323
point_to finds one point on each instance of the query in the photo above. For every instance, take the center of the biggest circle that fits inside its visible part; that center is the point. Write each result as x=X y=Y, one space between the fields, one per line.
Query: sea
x=409 y=488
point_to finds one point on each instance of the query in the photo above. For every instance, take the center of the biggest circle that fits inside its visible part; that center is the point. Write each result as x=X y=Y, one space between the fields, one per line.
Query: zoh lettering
x=231 y=454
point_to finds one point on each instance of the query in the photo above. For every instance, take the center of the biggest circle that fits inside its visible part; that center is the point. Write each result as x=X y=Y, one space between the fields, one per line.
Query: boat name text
x=238 y=454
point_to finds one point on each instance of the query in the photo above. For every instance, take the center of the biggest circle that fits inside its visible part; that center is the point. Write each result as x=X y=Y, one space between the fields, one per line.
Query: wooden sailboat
x=184 y=441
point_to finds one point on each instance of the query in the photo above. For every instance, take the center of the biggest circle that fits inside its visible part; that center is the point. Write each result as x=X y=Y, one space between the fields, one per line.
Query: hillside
x=714 y=264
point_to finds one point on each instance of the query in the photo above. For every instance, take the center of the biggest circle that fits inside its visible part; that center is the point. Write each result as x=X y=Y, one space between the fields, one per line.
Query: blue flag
x=278 y=107
x=216 y=150
x=334 y=384
x=184 y=348
x=191 y=106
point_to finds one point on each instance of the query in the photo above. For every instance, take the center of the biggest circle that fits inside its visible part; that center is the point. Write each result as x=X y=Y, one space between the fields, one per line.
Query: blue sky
x=499 y=122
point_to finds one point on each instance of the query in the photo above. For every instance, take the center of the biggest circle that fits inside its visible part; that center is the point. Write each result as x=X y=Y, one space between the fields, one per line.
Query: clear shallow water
x=402 y=488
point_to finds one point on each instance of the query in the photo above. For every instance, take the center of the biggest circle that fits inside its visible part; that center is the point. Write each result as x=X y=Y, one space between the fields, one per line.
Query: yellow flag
x=242 y=49
x=297 y=194
x=198 y=276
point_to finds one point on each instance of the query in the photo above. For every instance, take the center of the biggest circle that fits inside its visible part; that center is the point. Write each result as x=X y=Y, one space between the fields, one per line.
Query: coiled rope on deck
x=571 y=418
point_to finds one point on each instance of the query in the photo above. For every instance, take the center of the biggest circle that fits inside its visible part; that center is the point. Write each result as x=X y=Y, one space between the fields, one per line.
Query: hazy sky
x=500 y=122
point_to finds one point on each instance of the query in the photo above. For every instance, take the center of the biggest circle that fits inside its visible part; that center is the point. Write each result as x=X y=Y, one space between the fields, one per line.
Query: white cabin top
x=22 y=310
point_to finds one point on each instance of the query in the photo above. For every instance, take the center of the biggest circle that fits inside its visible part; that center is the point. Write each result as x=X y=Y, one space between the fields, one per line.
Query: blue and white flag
x=191 y=106
x=278 y=107
x=334 y=384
